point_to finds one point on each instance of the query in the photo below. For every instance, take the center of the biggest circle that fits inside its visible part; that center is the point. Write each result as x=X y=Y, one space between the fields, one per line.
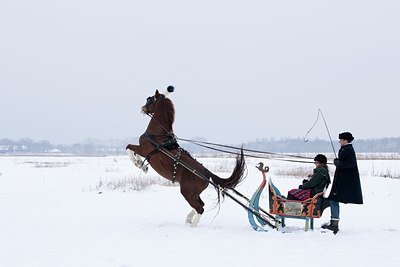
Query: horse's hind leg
x=197 y=204
x=197 y=215
x=193 y=218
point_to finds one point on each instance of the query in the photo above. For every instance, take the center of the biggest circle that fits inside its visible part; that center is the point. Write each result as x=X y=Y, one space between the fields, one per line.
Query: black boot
x=333 y=226
x=325 y=225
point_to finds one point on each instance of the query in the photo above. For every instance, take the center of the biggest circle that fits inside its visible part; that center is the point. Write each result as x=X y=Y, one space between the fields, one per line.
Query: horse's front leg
x=135 y=154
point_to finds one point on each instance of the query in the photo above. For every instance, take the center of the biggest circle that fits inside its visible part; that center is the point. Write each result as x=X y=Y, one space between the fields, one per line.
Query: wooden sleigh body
x=283 y=208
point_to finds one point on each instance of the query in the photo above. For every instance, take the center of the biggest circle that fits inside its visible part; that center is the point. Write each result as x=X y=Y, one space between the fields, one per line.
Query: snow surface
x=61 y=211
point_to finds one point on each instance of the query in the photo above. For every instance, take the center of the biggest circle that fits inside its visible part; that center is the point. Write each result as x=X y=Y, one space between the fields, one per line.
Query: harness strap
x=149 y=156
x=169 y=144
x=176 y=162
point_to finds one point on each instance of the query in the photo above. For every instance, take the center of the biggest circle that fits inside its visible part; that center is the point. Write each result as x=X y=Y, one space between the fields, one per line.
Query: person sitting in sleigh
x=316 y=183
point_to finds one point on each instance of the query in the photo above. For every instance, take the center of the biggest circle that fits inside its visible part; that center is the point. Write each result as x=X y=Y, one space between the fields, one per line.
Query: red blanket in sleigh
x=299 y=194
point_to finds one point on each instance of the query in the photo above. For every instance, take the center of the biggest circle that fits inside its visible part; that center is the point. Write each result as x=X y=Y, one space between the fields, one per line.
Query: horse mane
x=170 y=110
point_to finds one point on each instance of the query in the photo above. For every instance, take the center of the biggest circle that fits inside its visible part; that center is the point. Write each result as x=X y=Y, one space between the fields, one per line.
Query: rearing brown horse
x=159 y=135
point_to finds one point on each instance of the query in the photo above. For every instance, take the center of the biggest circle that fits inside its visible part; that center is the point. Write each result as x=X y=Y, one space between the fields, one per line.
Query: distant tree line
x=117 y=147
x=291 y=145
x=88 y=147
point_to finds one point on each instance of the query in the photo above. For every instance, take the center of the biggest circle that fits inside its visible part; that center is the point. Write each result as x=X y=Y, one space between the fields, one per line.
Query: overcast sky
x=75 y=69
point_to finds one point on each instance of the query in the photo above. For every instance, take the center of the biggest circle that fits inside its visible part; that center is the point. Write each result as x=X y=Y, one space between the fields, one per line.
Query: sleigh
x=283 y=208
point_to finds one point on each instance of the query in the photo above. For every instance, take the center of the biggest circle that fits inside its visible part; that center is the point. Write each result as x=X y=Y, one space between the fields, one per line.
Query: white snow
x=53 y=213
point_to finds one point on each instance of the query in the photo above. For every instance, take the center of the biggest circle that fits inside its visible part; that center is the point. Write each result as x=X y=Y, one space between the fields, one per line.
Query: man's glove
x=336 y=162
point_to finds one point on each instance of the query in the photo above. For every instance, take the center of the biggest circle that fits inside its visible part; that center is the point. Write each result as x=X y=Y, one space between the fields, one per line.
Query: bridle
x=150 y=100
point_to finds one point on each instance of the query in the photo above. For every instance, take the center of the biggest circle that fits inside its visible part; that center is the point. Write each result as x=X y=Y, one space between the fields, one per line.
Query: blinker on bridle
x=149 y=100
x=152 y=99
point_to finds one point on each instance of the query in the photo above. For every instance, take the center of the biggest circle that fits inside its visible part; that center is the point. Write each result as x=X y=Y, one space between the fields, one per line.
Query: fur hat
x=346 y=136
x=321 y=158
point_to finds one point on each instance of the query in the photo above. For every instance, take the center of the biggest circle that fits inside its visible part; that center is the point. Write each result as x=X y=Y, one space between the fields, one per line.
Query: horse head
x=161 y=109
x=151 y=103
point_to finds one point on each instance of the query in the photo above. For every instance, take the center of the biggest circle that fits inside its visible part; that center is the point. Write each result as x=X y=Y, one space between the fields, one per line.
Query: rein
x=223 y=148
x=203 y=144
x=162 y=127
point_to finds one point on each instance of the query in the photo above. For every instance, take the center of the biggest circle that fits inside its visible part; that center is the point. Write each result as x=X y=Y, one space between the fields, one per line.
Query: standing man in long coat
x=346 y=186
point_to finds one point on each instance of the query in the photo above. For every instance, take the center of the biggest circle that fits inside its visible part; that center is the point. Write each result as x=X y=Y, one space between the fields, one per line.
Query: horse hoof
x=189 y=217
x=135 y=158
x=196 y=220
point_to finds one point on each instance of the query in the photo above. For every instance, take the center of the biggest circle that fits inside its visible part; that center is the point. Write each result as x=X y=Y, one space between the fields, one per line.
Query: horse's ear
x=157 y=93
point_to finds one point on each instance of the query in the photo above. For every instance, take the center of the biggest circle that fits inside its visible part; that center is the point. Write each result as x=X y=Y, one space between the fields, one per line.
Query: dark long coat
x=346 y=186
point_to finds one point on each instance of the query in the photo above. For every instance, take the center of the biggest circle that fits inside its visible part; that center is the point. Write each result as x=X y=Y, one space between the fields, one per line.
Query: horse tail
x=237 y=175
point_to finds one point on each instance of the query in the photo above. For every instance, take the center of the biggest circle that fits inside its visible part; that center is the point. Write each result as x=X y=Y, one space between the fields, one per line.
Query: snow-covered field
x=102 y=211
